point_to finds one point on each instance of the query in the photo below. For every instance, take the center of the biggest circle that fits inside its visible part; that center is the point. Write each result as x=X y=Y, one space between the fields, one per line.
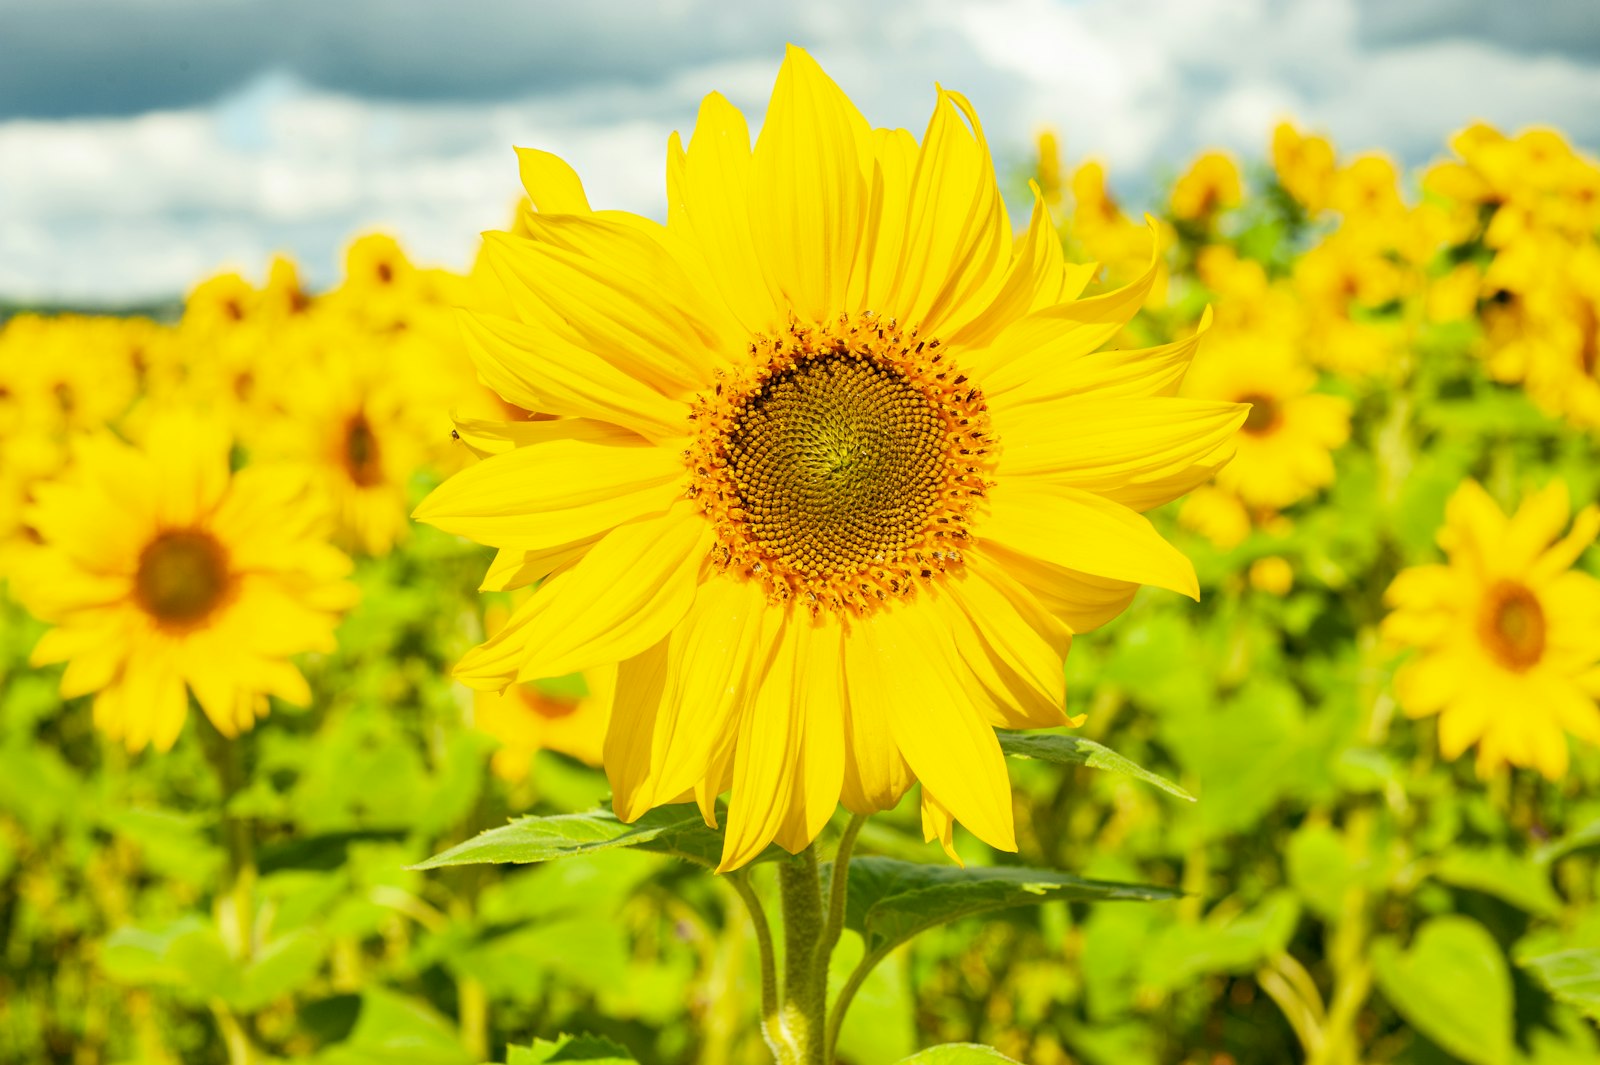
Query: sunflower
x=358 y=423
x=1211 y=184
x=1285 y=448
x=838 y=472
x=165 y=574
x=1508 y=632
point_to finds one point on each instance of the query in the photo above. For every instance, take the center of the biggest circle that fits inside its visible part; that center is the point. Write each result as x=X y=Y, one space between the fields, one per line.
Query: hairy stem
x=739 y=880
x=802 y=1014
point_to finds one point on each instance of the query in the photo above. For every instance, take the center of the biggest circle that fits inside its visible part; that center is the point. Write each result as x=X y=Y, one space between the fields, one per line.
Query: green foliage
x=890 y=901
x=1061 y=749
x=1453 y=985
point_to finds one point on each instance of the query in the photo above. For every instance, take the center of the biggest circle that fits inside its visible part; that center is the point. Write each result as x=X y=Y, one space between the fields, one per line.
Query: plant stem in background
x=235 y=906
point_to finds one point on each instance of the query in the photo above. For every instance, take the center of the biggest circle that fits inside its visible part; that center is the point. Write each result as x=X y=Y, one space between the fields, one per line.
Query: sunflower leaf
x=1075 y=750
x=1567 y=965
x=539 y=839
x=677 y=830
x=890 y=901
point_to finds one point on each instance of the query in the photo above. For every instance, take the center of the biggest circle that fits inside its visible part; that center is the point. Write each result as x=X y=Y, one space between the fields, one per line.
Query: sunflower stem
x=802 y=1013
x=235 y=905
x=739 y=880
x=838 y=894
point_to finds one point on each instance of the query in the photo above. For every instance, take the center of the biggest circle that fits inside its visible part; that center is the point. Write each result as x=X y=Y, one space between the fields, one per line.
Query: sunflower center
x=182 y=577
x=1512 y=625
x=1264 y=414
x=842 y=470
x=361 y=453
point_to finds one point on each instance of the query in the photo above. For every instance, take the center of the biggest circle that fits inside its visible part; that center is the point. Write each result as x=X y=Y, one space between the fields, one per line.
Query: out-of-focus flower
x=1304 y=165
x=1286 y=443
x=1507 y=632
x=163 y=574
x=1211 y=184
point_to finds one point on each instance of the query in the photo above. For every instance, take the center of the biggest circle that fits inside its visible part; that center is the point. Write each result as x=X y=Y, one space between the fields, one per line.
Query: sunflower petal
x=808 y=197
x=1034 y=347
x=555 y=493
x=551 y=183
x=709 y=202
x=615 y=602
x=540 y=371
x=958 y=238
x=1079 y=530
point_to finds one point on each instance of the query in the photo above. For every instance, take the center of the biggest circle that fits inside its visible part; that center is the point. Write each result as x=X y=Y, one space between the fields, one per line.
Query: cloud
x=336 y=118
x=1553 y=27
x=116 y=57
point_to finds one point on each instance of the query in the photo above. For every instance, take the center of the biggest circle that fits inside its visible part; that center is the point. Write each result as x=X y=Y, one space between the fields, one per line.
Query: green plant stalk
x=803 y=1007
x=235 y=909
x=739 y=880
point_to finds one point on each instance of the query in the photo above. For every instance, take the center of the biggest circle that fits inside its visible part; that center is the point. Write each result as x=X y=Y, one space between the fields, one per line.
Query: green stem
x=739 y=880
x=838 y=893
x=235 y=908
x=847 y=994
x=802 y=1014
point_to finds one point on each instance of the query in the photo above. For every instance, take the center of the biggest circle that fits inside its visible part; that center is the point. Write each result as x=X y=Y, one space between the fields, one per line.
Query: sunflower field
x=722 y=641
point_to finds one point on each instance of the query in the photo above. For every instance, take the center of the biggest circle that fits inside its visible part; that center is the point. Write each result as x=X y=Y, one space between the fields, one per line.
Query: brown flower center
x=1512 y=625
x=1264 y=416
x=182 y=577
x=843 y=470
x=362 y=456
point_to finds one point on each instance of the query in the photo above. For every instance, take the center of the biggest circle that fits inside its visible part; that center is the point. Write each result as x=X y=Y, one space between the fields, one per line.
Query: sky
x=147 y=143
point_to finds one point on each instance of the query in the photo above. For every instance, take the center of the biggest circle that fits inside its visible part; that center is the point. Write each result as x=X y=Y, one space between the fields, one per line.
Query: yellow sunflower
x=359 y=424
x=839 y=470
x=1211 y=184
x=164 y=574
x=1285 y=448
x=1508 y=633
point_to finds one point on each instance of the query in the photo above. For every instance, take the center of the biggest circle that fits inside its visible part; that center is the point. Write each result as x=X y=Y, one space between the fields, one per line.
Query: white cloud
x=111 y=209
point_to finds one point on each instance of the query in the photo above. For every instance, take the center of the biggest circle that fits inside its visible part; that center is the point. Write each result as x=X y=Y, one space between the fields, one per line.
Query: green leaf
x=1570 y=973
x=284 y=965
x=678 y=830
x=1229 y=943
x=590 y=1048
x=1320 y=868
x=958 y=1054
x=1498 y=872
x=539 y=839
x=394 y=1030
x=1453 y=986
x=890 y=901
x=1075 y=750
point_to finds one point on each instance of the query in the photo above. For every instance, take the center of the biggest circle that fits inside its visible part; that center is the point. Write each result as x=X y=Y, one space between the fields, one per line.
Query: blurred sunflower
x=1508 y=632
x=839 y=471
x=1285 y=448
x=165 y=574
x=1305 y=166
x=1211 y=184
x=357 y=423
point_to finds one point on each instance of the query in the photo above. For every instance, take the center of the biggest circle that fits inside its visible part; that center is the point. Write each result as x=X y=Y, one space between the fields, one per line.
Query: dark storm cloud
x=1560 y=27
x=65 y=58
